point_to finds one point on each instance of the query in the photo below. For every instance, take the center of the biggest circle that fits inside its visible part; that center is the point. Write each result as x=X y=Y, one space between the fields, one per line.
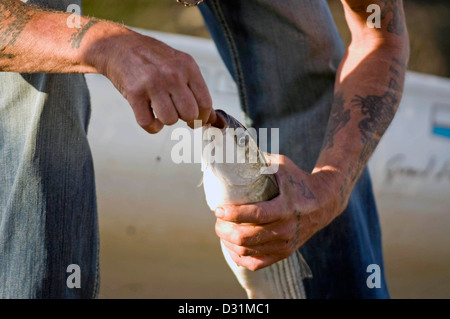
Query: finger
x=213 y=119
x=251 y=235
x=252 y=262
x=164 y=109
x=205 y=111
x=145 y=117
x=277 y=248
x=201 y=93
x=257 y=213
x=185 y=103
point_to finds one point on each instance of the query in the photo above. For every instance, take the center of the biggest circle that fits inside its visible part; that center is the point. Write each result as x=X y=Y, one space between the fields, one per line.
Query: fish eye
x=242 y=140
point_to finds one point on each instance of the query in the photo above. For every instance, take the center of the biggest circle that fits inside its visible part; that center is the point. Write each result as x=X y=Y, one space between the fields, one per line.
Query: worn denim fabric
x=48 y=213
x=284 y=56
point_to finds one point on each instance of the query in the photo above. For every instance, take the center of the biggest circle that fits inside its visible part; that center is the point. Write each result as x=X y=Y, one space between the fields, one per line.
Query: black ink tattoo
x=14 y=16
x=294 y=243
x=304 y=189
x=342 y=193
x=78 y=36
x=366 y=152
x=338 y=120
x=6 y=55
x=379 y=111
x=392 y=8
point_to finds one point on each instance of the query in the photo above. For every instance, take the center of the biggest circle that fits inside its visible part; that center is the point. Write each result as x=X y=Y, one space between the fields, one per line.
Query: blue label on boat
x=442 y=131
x=441 y=120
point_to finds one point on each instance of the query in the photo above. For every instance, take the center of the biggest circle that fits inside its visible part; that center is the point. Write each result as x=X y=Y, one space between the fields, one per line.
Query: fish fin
x=305 y=271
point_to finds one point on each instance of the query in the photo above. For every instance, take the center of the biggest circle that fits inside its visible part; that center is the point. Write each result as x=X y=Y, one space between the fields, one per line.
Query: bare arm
x=37 y=40
x=152 y=76
x=368 y=90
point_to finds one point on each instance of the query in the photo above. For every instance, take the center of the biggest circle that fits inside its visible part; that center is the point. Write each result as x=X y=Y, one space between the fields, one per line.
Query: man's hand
x=258 y=235
x=155 y=79
x=368 y=90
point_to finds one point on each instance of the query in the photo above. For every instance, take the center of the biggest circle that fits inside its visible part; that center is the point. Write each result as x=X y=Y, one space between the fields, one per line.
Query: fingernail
x=220 y=212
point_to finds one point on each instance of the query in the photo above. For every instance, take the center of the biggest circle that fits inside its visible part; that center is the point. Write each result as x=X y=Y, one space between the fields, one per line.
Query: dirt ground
x=160 y=259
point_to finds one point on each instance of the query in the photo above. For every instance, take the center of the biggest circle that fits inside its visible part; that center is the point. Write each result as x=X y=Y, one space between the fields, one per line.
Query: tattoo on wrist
x=78 y=36
x=304 y=189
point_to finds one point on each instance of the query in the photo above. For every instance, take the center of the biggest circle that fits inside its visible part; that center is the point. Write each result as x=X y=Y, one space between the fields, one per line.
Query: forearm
x=368 y=90
x=35 y=40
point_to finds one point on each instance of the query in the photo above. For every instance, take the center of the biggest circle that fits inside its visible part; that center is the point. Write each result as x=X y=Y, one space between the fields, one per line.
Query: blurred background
x=163 y=259
x=428 y=25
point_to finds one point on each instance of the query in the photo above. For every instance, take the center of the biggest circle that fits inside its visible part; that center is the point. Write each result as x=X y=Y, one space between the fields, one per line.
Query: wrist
x=101 y=44
x=338 y=182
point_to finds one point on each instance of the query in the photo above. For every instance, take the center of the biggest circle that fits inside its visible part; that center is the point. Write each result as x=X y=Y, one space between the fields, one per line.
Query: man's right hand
x=155 y=79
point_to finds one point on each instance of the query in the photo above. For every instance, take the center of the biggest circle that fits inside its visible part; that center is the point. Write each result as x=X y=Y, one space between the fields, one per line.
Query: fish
x=247 y=179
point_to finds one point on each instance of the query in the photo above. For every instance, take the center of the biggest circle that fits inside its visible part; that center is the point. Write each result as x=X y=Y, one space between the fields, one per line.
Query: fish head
x=231 y=151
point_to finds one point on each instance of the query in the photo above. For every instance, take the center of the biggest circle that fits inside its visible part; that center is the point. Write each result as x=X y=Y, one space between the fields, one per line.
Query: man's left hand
x=258 y=235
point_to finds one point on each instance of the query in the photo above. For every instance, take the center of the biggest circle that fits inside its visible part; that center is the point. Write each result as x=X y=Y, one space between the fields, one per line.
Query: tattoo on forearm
x=338 y=120
x=379 y=110
x=392 y=9
x=6 y=55
x=304 y=189
x=366 y=152
x=14 y=16
x=78 y=36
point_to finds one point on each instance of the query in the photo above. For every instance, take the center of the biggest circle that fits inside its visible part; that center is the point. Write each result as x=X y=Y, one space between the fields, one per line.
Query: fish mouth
x=224 y=120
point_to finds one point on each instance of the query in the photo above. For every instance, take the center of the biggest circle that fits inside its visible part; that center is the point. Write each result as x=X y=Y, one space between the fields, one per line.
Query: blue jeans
x=48 y=213
x=284 y=56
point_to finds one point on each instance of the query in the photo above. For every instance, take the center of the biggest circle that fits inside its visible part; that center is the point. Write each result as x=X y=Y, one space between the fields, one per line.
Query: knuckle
x=171 y=72
x=152 y=79
x=205 y=103
x=187 y=59
x=133 y=91
x=260 y=214
x=191 y=114
x=242 y=251
x=238 y=239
